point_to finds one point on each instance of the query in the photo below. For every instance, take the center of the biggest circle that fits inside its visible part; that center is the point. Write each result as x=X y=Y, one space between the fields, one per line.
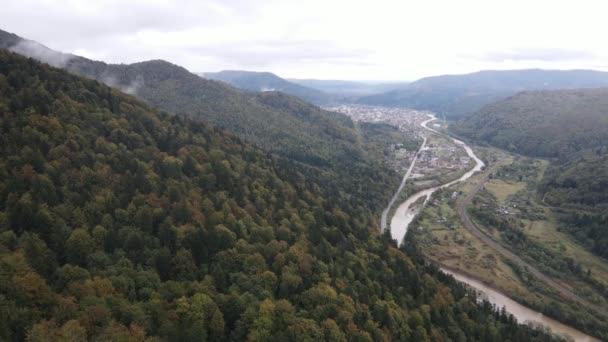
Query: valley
x=549 y=272
x=449 y=237
x=265 y=171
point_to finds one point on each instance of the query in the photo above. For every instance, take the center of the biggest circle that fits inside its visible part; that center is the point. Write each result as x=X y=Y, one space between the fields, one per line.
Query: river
x=405 y=178
x=522 y=313
x=405 y=214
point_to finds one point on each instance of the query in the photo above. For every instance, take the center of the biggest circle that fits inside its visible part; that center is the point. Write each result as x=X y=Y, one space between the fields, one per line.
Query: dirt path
x=461 y=208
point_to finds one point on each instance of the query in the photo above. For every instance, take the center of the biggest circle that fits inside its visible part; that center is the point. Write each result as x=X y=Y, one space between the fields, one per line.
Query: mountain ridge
x=173 y=88
x=267 y=81
x=456 y=96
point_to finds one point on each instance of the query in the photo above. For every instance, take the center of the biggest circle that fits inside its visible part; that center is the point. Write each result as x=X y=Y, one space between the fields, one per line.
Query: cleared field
x=503 y=189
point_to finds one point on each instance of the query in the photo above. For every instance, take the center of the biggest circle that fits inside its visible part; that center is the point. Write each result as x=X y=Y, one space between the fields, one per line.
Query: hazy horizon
x=341 y=40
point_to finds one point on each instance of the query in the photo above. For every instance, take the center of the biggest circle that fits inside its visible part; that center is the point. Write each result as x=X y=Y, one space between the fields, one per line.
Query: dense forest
x=557 y=124
x=326 y=144
x=580 y=189
x=274 y=121
x=569 y=126
x=119 y=222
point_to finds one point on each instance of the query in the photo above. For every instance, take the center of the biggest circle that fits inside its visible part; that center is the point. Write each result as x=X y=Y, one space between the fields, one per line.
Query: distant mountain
x=266 y=81
x=349 y=88
x=457 y=96
x=570 y=126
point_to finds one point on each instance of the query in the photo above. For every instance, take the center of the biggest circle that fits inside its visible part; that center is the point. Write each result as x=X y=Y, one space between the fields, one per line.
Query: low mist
x=42 y=53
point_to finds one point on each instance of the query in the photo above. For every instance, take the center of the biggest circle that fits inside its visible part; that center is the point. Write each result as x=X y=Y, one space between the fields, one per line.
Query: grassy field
x=503 y=189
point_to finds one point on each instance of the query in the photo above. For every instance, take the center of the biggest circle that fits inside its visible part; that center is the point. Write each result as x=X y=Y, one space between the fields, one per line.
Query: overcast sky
x=325 y=39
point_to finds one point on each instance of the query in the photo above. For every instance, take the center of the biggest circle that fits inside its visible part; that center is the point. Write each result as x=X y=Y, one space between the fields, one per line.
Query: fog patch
x=109 y=80
x=130 y=88
x=41 y=53
x=134 y=86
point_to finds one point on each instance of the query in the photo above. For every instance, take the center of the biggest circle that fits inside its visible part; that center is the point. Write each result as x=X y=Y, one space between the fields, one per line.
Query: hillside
x=8 y=39
x=542 y=123
x=273 y=125
x=287 y=126
x=570 y=126
x=120 y=222
x=457 y=96
x=579 y=188
x=325 y=145
x=266 y=81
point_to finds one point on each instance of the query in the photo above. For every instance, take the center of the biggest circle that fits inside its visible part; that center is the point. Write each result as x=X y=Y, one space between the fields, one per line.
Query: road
x=405 y=213
x=396 y=195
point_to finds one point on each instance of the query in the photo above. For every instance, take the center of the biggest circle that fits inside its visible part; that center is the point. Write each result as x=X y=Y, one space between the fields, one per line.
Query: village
x=439 y=159
x=407 y=120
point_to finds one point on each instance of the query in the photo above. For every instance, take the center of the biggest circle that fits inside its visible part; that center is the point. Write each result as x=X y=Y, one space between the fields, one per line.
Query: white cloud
x=380 y=39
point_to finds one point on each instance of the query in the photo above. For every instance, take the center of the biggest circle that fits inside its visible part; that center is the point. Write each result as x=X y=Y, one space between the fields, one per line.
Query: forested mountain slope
x=580 y=188
x=119 y=222
x=457 y=96
x=266 y=81
x=285 y=125
x=557 y=124
x=325 y=143
x=570 y=126
x=8 y=39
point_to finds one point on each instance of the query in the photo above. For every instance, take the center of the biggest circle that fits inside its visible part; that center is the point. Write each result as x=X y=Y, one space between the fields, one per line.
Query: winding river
x=404 y=215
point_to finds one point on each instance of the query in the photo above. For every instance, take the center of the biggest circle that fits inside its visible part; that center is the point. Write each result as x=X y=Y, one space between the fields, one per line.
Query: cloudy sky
x=325 y=39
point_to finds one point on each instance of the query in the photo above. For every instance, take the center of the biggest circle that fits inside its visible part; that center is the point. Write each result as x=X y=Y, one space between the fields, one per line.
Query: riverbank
x=405 y=214
x=403 y=181
x=522 y=313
